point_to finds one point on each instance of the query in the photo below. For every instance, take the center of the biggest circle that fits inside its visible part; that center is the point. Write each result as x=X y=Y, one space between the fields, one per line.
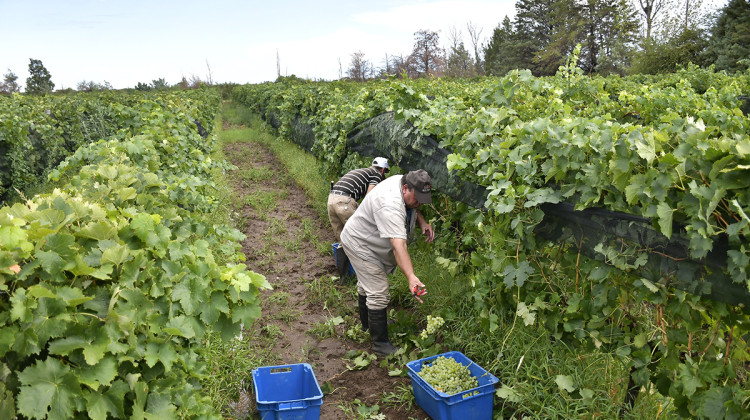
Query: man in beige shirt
x=375 y=240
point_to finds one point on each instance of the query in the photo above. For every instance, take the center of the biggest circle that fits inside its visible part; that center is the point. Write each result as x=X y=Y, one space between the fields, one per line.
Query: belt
x=340 y=193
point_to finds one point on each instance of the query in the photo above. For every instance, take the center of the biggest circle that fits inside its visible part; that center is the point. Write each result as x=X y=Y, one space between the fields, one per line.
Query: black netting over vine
x=598 y=232
x=382 y=136
x=301 y=133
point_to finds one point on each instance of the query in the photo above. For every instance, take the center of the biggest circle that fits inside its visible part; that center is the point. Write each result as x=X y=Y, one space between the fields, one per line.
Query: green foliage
x=686 y=47
x=543 y=33
x=9 y=84
x=111 y=281
x=672 y=149
x=39 y=80
x=730 y=37
x=39 y=132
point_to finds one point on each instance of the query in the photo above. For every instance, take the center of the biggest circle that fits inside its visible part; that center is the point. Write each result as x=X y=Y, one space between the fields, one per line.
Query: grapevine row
x=672 y=149
x=39 y=132
x=109 y=282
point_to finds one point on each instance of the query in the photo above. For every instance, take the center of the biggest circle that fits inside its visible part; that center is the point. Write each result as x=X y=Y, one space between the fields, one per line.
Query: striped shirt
x=356 y=181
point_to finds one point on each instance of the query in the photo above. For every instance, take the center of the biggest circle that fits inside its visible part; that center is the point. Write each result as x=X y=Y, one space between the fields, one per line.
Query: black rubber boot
x=363 y=312
x=378 y=321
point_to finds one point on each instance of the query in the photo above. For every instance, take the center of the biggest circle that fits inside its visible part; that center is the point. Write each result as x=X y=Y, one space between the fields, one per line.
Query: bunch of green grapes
x=445 y=374
x=433 y=324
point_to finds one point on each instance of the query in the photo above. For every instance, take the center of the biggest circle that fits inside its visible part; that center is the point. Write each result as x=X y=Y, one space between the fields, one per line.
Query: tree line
x=40 y=82
x=615 y=36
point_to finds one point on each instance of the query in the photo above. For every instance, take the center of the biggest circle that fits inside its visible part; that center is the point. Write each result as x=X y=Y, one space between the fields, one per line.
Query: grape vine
x=671 y=149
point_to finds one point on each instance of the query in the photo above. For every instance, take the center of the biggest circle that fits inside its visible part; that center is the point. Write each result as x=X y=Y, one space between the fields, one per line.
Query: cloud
x=440 y=15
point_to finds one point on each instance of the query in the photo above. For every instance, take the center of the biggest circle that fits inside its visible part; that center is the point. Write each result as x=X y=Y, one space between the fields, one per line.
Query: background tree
x=387 y=68
x=427 y=58
x=91 y=86
x=730 y=37
x=360 y=68
x=502 y=52
x=563 y=25
x=474 y=34
x=683 y=48
x=610 y=32
x=39 y=80
x=533 y=29
x=545 y=32
x=678 y=38
x=682 y=15
x=143 y=87
x=10 y=83
x=400 y=65
x=651 y=9
x=159 y=84
x=458 y=64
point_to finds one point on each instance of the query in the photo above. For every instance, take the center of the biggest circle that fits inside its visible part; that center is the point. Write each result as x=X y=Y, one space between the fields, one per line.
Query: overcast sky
x=126 y=42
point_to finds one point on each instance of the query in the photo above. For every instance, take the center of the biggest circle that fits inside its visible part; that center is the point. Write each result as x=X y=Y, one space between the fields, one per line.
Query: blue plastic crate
x=472 y=404
x=336 y=249
x=288 y=392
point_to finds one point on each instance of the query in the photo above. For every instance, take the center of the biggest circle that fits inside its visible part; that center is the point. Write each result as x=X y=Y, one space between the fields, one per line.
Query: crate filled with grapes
x=451 y=386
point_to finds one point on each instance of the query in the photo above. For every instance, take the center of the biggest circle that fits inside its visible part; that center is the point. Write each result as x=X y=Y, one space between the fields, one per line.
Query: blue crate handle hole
x=292 y=405
x=281 y=370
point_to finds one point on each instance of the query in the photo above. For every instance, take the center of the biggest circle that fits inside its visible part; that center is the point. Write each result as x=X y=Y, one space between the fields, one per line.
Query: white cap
x=381 y=162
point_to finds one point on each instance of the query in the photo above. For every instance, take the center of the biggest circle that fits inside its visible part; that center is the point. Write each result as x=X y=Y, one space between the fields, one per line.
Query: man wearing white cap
x=375 y=239
x=344 y=195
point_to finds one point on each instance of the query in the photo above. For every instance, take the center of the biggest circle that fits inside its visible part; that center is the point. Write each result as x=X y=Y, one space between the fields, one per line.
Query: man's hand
x=417 y=288
x=418 y=292
x=428 y=232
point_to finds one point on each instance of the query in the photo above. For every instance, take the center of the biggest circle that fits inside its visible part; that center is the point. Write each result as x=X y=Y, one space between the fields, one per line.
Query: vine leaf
x=688 y=379
x=517 y=275
x=102 y=373
x=509 y=394
x=528 y=316
x=99 y=405
x=49 y=390
x=665 y=218
x=160 y=352
x=565 y=382
x=180 y=326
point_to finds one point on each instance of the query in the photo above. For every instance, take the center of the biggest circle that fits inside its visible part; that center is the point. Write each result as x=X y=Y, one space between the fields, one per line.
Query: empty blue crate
x=472 y=404
x=288 y=392
x=338 y=252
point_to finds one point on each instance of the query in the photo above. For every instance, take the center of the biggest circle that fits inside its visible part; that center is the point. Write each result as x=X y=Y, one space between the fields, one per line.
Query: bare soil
x=292 y=270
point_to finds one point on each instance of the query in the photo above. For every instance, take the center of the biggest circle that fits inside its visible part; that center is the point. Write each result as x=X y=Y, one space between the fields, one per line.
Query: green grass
x=230 y=365
x=300 y=166
x=263 y=202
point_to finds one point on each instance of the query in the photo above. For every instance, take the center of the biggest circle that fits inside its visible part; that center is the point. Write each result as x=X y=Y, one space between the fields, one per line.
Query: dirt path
x=279 y=246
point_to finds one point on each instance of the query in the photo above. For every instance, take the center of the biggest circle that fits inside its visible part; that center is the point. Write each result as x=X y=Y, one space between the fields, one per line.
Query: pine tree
x=459 y=63
x=503 y=52
x=533 y=29
x=730 y=40
x=39 y=80
x=566 y=26
x=611 y=30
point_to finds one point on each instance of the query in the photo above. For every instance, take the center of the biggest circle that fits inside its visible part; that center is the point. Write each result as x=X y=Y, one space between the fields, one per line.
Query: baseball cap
x=381 y=162
x=421 y=183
